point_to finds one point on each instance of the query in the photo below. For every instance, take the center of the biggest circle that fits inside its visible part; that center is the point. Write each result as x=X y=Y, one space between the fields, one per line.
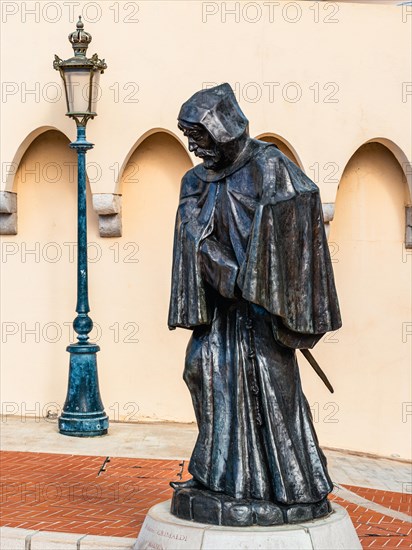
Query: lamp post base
x=83 y=425
x=83 y=414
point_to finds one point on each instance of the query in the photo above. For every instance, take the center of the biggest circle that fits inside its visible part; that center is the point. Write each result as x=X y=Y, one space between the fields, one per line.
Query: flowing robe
x=252 y=278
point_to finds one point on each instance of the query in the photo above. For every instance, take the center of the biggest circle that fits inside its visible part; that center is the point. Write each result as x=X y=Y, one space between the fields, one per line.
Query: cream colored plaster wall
x=362 y=60
x=327 y=77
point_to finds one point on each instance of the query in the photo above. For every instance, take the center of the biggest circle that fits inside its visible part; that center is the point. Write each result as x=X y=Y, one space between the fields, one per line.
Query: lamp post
x=83 y=413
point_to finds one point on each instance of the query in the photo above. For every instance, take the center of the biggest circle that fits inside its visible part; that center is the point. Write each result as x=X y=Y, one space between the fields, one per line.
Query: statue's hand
x=218 y=267
x=193 y=229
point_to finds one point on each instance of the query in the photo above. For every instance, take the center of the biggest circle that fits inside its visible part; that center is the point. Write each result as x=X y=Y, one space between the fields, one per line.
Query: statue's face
x=202 y=144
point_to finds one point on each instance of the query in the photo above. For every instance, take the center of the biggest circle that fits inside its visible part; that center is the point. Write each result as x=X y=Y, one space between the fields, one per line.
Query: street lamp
x=83 y=413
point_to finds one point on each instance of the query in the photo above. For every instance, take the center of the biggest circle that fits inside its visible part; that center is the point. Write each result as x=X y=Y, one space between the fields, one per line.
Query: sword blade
x=314 y=364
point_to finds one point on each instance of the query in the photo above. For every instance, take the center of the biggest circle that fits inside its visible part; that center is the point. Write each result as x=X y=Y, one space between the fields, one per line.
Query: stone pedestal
x=163 y=531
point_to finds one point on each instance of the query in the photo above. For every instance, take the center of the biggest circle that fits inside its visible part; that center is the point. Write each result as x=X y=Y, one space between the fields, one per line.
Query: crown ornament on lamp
x=80 y=39
x=80 y=76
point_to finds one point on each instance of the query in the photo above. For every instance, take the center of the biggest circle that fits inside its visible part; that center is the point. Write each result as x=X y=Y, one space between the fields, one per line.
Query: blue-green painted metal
x=83 y=413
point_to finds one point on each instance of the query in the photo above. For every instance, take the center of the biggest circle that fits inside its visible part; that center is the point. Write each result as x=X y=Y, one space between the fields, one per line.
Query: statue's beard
x=211 y=157
x=221 y=156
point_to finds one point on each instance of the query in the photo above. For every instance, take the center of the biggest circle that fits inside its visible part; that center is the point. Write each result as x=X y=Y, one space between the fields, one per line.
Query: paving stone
x=90 y=542
x=54 y=541
x=14 y=538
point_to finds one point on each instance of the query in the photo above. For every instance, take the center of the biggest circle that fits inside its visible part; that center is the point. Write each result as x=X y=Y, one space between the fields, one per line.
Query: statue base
x=163 y=530
x=204 y=506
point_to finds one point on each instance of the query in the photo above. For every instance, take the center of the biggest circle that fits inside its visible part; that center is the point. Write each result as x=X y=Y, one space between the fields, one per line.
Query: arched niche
x=150 y=186
x=284 y=146
x=21 y=150
x=46 y=183
x=368 y=359
x=137 y=144
x=372 y=187
x=39 y=272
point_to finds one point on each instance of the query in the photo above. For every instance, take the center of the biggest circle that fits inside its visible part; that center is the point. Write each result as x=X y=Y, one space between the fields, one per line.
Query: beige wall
x=369 y=358
x=175 y=47
x=326 y=77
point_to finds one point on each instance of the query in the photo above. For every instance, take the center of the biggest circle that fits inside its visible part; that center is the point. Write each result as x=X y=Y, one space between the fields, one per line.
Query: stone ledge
x=328 y=211
x=408 y=227
x=8 y=213
x=8 y=202
x=25 y=539
x=109 y=208
x=328 y=215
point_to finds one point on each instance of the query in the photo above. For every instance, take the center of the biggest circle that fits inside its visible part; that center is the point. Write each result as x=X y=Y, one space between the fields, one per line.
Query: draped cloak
x=252 y=277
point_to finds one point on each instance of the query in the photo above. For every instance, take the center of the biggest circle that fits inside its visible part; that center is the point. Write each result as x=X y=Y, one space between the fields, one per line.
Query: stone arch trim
x=400 y=156
x=285 y=142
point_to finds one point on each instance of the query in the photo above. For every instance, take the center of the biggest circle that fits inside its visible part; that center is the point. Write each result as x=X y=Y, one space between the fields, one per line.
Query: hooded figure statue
x=252 y=278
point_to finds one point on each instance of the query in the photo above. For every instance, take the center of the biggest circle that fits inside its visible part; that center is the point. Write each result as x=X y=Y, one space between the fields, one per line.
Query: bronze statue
x=252 y=278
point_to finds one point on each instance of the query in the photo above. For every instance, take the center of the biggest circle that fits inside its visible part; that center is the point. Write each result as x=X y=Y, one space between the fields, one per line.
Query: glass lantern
x=81 y=77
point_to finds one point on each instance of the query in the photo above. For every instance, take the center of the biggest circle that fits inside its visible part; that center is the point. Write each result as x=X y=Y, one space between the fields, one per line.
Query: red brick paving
x=402 y=502
x=55 y=492
x=376 y=530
